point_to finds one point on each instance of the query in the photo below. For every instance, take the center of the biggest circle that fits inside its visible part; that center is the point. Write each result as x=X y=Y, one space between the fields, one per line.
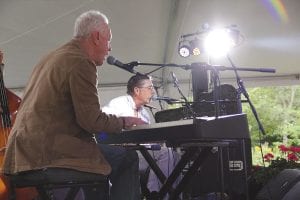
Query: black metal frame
x=195 y=153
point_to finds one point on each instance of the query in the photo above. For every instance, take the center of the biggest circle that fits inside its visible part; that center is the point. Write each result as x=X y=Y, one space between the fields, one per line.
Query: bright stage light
x=218 y=42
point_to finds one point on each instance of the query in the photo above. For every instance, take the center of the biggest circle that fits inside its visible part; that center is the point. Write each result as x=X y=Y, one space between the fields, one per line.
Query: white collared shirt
x=123 y=106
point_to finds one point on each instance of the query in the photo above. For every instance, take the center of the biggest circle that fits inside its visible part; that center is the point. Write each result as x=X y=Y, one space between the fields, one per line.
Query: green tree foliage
x=278 y=109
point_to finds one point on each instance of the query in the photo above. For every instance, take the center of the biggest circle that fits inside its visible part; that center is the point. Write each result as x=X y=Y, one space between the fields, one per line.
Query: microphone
x=112 y=61
x=150 y=106
x=166 y=99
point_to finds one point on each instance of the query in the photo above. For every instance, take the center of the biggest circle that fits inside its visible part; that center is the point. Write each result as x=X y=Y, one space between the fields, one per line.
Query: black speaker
x=204 y=105
x=234 y=162
x=293 y=193
x=279 y=186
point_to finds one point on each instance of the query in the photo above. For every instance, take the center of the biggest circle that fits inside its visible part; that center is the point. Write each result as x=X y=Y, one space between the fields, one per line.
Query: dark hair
x=136 y=81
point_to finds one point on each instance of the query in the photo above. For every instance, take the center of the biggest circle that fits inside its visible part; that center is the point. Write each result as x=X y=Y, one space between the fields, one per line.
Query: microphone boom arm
x=207 y=66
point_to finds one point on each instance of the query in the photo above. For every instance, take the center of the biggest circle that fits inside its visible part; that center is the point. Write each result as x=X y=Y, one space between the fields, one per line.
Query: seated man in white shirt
x=139 y=93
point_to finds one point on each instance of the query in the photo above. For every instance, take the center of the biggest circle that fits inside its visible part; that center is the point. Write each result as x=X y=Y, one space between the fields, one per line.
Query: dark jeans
x=125 y=172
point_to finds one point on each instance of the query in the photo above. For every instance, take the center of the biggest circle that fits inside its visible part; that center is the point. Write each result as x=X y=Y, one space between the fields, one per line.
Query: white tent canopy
x=149 y=31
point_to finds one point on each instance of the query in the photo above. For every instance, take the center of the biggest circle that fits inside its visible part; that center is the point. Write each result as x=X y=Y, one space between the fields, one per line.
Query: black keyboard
x=227 y=127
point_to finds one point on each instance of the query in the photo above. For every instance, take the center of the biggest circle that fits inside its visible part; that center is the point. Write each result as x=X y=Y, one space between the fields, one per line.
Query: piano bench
x=45 y=180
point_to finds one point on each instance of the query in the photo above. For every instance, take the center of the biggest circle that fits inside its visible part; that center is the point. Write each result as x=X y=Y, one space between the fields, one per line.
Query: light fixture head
x=192 y=47
x=184 y=49
x=196 y=47
x=214 y=42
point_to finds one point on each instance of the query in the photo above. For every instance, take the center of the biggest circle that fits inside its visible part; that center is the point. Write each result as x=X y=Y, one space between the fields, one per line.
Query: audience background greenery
x=278 y=110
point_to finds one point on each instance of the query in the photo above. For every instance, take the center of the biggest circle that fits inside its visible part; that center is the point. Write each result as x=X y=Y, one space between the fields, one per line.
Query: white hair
x=88 y=22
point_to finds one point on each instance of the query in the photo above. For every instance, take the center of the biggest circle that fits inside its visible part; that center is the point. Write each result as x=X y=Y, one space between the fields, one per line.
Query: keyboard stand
x=197 y=152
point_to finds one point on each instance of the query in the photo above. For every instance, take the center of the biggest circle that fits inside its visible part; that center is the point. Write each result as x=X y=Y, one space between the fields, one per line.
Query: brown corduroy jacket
x=58 y=115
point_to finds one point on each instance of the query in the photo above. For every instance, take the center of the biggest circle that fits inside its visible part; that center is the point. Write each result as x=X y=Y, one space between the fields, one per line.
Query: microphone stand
x=151 y=110
x=184 y=98
x=159 y=102
x=216 y=95
x=242 y=90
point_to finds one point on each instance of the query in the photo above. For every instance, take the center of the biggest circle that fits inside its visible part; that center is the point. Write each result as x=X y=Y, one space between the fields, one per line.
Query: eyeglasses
x=150 y=87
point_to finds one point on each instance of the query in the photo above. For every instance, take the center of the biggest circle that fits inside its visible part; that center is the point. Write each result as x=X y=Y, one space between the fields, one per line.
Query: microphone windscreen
x=111 y=60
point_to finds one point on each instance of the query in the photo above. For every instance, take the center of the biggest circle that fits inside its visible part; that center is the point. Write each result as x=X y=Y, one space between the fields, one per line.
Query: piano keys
x=174 y=132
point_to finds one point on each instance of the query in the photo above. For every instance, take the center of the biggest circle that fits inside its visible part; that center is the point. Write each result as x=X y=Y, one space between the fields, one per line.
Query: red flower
x=292 y=156
x=268 y=157
x=295 y=149
x=283 y=148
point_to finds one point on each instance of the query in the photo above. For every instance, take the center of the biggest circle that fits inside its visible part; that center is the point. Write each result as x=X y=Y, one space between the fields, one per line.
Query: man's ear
x=95 y=36
x=136 y=90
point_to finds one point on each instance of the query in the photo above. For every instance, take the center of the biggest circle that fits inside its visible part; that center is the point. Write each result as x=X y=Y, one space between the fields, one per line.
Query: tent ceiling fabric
x=149 y=31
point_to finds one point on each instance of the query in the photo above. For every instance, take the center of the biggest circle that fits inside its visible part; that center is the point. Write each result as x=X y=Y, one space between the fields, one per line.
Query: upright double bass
x=9 y=104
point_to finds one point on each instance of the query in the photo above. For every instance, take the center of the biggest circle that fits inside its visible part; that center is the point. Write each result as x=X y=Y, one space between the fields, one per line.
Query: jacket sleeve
x=84 y=94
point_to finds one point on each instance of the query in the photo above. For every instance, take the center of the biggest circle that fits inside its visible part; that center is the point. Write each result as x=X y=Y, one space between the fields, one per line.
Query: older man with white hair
x=60 y=113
